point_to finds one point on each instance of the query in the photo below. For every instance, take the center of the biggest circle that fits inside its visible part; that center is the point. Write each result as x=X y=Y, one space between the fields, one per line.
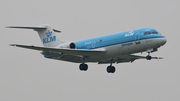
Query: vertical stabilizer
x=48 y=36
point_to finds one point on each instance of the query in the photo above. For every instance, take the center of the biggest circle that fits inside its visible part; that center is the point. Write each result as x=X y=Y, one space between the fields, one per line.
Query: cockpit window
x=147 y=33
x=154 y=32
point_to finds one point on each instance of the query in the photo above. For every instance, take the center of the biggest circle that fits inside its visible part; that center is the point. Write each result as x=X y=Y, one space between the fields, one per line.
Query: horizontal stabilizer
x=34 y=28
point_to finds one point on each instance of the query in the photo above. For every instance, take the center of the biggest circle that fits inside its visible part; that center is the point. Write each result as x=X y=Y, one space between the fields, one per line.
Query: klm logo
x=131 y=33
x=48 y=34
x=49 y=38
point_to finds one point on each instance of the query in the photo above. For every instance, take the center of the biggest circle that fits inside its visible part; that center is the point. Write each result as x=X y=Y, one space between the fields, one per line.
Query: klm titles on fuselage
x=49 y=38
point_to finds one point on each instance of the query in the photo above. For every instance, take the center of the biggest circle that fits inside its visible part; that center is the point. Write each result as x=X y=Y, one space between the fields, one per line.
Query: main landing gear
x=148 y=57
x=111 y=69
x=83 y=67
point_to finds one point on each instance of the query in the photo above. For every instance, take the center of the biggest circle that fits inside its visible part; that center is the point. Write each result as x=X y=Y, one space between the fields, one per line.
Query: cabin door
x=137 y=37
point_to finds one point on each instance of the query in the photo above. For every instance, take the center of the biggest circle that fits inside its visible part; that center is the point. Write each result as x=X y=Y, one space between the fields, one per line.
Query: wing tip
x=7 y=26
x=14 y=45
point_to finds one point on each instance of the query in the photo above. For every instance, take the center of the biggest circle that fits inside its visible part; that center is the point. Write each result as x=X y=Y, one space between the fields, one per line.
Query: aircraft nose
x=163 y=41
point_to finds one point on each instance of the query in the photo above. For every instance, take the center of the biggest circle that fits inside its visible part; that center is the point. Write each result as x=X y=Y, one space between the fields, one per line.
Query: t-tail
x=46 y=34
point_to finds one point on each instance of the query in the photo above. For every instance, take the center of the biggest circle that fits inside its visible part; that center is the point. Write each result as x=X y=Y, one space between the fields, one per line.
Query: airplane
x=108 y=49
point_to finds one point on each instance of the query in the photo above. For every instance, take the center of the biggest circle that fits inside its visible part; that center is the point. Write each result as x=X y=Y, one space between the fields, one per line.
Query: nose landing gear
x=148 y=57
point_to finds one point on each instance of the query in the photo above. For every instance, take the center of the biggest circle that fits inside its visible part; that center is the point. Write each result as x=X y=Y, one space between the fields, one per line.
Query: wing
x=76 y=55
x=72 y=52
x=126 y=58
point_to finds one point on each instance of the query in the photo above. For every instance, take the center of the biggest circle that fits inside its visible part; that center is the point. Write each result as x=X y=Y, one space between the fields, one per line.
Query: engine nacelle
x=70 y=45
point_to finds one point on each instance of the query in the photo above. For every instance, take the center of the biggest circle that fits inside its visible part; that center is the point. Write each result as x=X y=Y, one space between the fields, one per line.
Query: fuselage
x=123 y=43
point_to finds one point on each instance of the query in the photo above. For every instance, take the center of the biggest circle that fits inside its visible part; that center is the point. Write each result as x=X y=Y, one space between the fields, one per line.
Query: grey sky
x=26 y=76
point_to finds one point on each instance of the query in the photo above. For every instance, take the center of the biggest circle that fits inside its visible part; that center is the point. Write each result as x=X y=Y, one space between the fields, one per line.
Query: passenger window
x=147 y=33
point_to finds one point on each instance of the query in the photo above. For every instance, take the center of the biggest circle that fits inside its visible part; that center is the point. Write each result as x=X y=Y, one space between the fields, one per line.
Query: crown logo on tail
x=48 y=34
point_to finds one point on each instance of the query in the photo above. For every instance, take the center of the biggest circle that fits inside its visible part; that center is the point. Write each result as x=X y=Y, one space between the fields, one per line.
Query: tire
x=85 y=67
x=113 y=69
x=108 y=69
x=81 y=67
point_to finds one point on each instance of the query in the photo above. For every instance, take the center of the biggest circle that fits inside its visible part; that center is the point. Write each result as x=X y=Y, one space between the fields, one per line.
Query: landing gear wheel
x=148 y=57
x=111 y=69
x=83 y=67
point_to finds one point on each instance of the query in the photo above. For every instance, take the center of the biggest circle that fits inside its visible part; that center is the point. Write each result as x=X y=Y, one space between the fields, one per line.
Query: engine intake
x=72 y=45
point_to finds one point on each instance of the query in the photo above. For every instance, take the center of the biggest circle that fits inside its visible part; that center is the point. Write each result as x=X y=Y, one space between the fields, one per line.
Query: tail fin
x=46 y=34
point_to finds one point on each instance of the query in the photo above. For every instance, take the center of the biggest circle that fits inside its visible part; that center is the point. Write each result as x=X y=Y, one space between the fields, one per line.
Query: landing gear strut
x=111 y=69
x=148 y=57
x=83 y=66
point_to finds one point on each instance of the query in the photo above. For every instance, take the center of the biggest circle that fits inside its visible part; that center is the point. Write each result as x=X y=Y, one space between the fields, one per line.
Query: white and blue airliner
x=109 y=49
